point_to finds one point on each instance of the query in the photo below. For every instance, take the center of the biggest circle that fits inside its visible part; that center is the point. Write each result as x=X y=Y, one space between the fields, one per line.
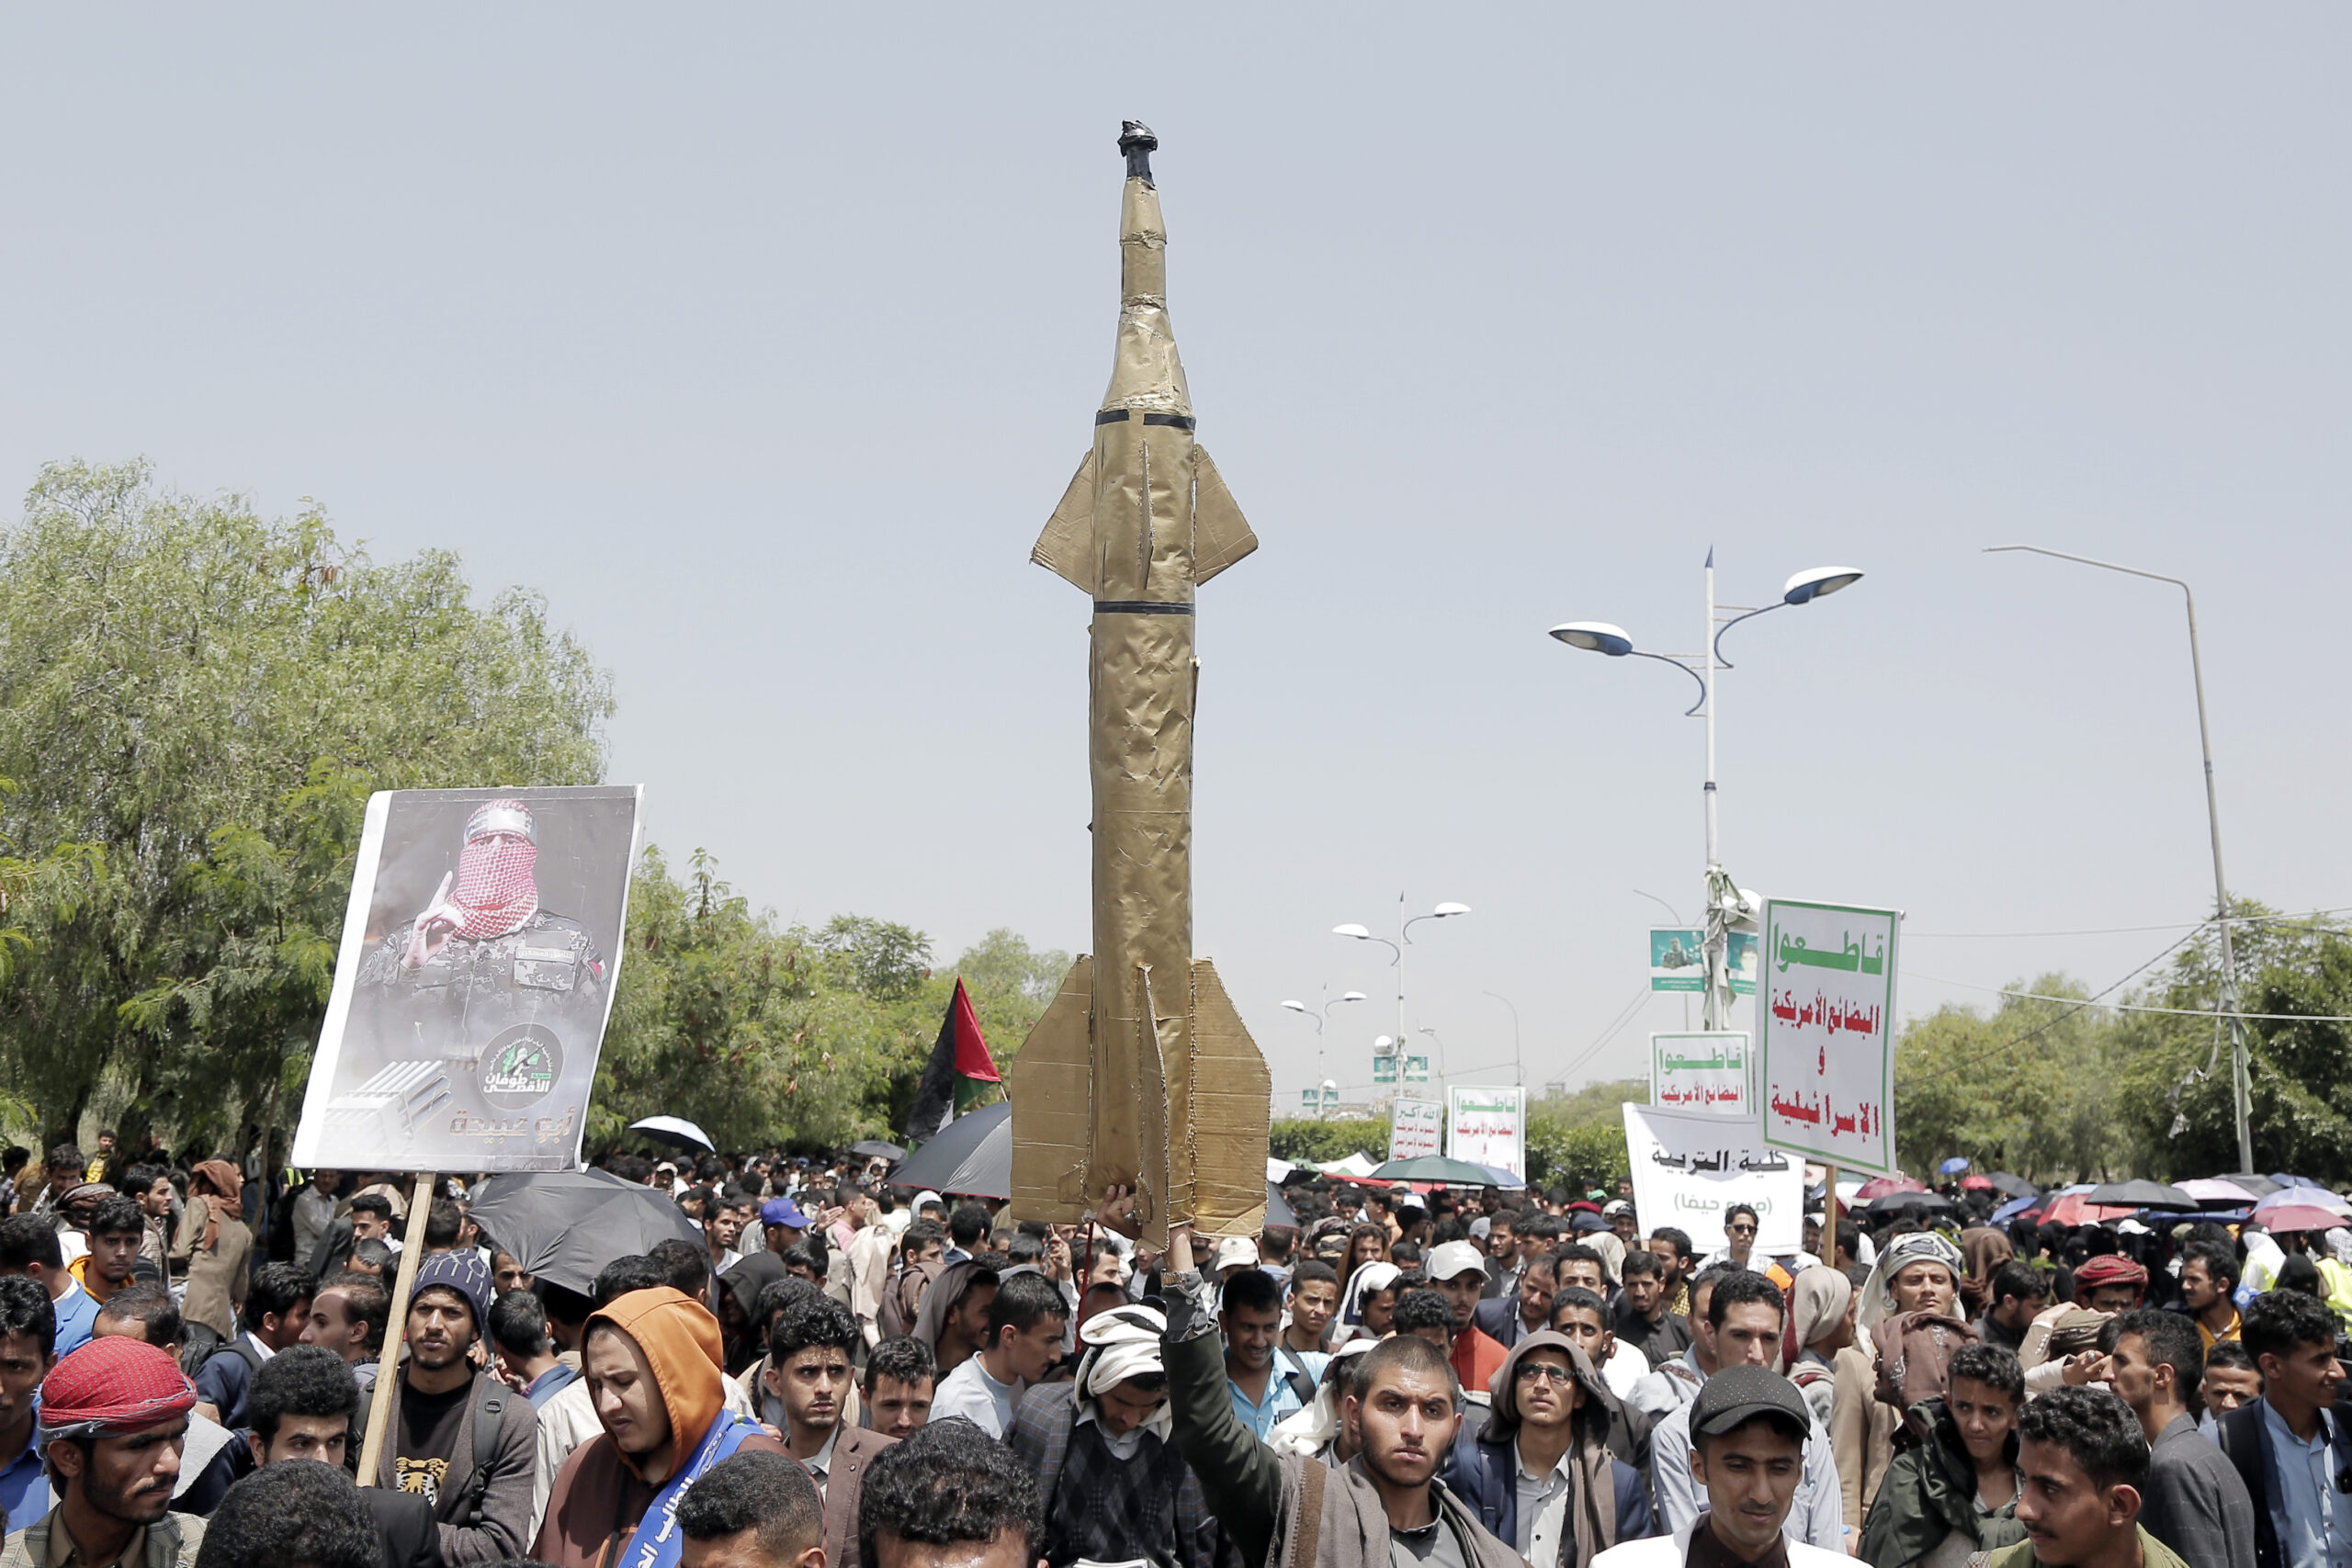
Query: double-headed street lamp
x=2240 y=1081
x=1728 y=903
x=1317 y=1020
x=1404 y=939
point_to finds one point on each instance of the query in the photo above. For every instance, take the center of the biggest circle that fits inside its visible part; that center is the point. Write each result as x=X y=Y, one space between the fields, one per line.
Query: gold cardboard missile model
x=1141 y=1074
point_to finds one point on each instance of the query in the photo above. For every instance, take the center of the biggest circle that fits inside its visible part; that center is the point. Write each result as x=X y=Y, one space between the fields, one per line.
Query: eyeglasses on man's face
x=1545 y=1371
x=1741 y=1230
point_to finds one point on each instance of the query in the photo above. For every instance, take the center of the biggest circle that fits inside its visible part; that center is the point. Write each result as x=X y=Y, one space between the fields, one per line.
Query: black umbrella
x=975 y=1156
x=2140 y=1194
x=1911 y=1203
x=1278 y=1208
x=875 y=1148
x=972 y=1154
x=565 y=1225
x=2260 y=1186
x=2009 y=1186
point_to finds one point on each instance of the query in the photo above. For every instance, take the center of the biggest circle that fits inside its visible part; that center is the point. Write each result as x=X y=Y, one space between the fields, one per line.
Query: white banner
x=1488 y=1126
x=480 y=949
x=1417 y=1127
x=1828 y=1034
x=1701 y=1072
x=1689 y=1167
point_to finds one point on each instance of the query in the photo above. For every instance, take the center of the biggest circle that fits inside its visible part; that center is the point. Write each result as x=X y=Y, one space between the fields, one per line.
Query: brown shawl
x=228 y=1185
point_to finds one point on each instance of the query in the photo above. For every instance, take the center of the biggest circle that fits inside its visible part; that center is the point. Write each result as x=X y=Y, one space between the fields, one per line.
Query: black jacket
x=405 y=1522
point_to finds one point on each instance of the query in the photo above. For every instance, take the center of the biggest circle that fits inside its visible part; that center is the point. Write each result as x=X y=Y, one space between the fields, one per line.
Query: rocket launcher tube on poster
x=1141 y=1074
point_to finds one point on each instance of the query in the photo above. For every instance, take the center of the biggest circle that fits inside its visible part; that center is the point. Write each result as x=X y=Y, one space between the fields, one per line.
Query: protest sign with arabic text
x=1416 y=1127
x=1488 y=1126
x=479 y=950
x=1689 y=1166
x=1825 y=1024
x=1701 y=1072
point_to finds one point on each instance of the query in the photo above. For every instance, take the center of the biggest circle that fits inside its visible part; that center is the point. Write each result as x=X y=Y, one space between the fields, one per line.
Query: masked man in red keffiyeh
x=484 y=972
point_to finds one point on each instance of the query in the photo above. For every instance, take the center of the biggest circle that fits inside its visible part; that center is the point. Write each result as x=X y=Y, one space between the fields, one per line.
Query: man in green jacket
x=2082 y=1462
x=1386 y=1508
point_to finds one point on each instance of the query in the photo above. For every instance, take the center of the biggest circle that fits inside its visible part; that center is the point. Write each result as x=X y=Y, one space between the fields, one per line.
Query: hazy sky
x=763 y=341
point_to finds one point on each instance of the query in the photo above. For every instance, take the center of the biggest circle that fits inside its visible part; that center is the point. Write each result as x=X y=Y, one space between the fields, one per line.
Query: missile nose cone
x=1137 y=143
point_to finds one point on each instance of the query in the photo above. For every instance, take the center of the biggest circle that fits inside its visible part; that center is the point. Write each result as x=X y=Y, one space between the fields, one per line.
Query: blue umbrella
x=2016 y=1206
x=1953 y=1166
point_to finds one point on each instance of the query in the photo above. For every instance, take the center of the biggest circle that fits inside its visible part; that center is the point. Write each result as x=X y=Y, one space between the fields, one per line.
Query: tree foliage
x=761 y=1033
x=2061 y=1091
x=1577 y=1141
x=195 y=701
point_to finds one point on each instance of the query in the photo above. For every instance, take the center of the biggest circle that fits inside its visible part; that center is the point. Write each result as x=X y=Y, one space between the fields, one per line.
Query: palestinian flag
x=959 y=1074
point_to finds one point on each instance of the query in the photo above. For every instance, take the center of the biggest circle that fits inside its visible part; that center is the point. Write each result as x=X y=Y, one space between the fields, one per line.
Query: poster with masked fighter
x=476 y=972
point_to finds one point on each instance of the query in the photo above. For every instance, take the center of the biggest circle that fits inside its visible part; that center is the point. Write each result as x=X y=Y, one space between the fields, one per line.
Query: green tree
x=763 y=1033
x=2177 y=1091
x=2031 y=1087
x=195 y=701
x=1578 y=1140
x=1308 y=1138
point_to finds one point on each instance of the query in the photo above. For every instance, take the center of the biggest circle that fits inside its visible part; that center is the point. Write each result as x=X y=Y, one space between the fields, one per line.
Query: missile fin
x=1066 y=547
x=1051 y=1087
x=1232 y=1100
x=1221 y=534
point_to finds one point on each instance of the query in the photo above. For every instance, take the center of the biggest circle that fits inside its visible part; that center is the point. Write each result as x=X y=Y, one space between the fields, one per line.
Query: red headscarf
x=112 y=1385
x=496 y=891
x=2110 y=1270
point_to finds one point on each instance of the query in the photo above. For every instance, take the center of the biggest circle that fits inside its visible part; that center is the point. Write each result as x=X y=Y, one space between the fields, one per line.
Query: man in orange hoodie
x=652 y=1363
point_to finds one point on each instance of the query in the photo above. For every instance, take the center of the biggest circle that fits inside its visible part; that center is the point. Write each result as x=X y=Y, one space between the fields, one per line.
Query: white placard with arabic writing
x=1827 y=1032
x=1689 y=1167
x=1416 y=1127
x=1488 y=1126
x=1701 y=1072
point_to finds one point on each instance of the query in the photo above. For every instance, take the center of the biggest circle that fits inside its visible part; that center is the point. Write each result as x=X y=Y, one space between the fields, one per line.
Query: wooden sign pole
x=387 y=1364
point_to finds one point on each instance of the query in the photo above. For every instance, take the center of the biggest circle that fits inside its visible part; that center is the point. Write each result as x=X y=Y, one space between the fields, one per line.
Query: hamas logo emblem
x=521 y=1066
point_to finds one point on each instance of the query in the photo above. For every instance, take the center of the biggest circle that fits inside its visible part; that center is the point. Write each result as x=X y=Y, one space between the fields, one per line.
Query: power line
x=2134 y=1007
x=2043 y=1028
x=2126 y=930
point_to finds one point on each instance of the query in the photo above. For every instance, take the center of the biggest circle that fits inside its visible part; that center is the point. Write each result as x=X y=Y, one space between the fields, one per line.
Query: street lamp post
x=1319 y=1020
x=1726 y=900
x=2241 y=1080
x=1518 y=1062
x=1404 y=939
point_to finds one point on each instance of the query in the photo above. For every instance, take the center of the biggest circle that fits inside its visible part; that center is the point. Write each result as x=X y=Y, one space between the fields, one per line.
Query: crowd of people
x=838 y=1372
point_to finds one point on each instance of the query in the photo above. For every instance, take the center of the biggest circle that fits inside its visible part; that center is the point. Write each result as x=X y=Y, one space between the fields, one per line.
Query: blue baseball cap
x=783 y=1211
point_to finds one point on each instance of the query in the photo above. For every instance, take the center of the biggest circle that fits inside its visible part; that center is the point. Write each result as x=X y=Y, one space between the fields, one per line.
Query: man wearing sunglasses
x=1739 y=1247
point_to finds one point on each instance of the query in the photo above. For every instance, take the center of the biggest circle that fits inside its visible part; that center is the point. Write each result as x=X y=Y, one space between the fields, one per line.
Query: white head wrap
x=1310 y=1431
x=1612 y=1255
x=1368 y=1277
x=1920 y=1246
x=1122 y=1342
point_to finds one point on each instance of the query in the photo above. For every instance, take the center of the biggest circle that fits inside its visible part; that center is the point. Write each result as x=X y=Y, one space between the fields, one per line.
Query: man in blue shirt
x=1251 y=1315
x=29 y=1246
x=2293 y=1447
x=27 y=1326
x=277 y=1305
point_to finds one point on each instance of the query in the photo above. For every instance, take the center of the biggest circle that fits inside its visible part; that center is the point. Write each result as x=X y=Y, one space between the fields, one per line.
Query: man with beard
x=483 y=967
x=651 y=1362
x=460 y=1440
x=1273 y=1506
x=113 y=1417
x=1116 y=1489
x=1508 y=1319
